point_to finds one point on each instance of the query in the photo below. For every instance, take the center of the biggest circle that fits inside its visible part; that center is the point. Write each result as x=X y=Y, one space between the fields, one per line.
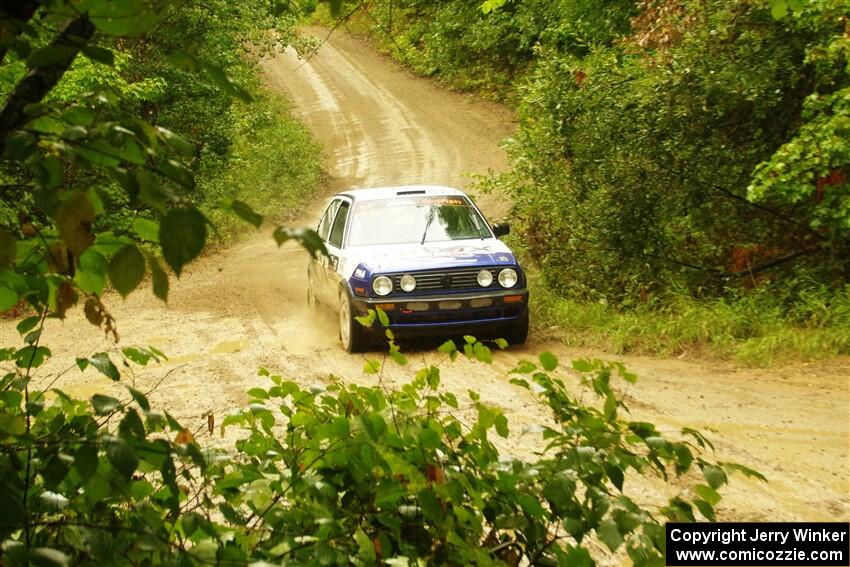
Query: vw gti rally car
x=425 y=256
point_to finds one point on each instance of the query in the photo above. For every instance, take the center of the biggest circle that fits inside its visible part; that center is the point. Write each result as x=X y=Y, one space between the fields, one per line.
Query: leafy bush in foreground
x=336 y=475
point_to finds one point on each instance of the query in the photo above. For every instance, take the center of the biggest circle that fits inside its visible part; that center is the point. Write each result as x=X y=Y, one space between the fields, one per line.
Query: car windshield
x=415 y=219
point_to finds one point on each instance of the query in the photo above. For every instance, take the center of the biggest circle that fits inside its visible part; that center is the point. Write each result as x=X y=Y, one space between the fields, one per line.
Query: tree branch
x=13 y=16
x=39 y=81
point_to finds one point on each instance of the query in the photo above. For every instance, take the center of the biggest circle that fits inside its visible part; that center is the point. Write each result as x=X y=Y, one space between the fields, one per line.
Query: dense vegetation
x=157 y=111
x=126 y=128
x=339 y=474
x=674 y=156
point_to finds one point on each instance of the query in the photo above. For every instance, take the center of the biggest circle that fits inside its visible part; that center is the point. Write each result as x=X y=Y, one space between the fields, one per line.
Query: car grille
x=445 y=280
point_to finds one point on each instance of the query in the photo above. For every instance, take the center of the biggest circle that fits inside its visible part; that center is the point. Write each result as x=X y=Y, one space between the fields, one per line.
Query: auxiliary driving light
x=508 y=277
x=382 y=285
x=408 y=282
x=485 y=278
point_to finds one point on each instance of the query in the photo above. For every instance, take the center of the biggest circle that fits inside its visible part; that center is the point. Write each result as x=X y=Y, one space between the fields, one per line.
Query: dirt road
x=243 y=308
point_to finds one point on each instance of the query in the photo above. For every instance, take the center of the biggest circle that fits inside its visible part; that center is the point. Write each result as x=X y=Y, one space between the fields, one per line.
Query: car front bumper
x=449 y=313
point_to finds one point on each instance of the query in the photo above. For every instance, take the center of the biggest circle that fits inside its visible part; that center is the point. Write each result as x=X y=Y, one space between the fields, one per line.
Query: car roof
x=389 y=192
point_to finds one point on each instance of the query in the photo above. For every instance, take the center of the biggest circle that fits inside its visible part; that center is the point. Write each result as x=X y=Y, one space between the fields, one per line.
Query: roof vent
x=411 y=192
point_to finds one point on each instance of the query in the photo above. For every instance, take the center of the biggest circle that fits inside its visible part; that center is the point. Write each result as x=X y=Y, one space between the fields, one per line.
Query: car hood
x=433 y=255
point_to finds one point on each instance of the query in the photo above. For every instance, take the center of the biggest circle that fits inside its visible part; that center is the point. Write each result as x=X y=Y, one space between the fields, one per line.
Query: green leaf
x=382 y=317
x=609 y=534
x=706 y=509
x=85 y=461
x=448 y=347
x=549 y=361
x=31 y=356
x=8 y=298
x=246 y=213
x=132 y=425
x=104 y=405
x=12 y=424
x=578 y=557
x=182 y=235
x=745 y=470
x=176 y=141
x=74 y=220
x=365 y=548
x=368 y=319
x=127 y=269
x=610 y=408
x=372 y=367
x=122 y=456
x=79 y=115
x=708 y=494
x=482 y=353
x=715 y=476
x=397 y=357
x=146 y=229
x=28 y=324
x=177 y=172
x=99 y=54
x=140 y=399
x=91 y=275
x=139 y=356
x=258 y=393
x=501 y=424
x=432 y=377
x=51 y=55
x=430 y=506
x=102 y=363
x=429 y=438
x=151 y=191
x=684 y=457
x=47 y=557
x=583 y=365
x=307 y=238
x=160 y=278
x=778 y=9
x=615 y=474
x=123 y=17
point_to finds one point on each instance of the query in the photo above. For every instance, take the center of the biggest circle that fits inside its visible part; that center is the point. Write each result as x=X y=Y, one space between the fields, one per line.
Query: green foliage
x=96 y=181
x=486 y=46
x=640 y=155
x=665 y=149
x=799 y=319
x=340 y=474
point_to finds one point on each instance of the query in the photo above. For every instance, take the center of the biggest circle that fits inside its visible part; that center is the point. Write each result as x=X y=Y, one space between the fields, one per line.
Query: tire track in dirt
x=244 y=307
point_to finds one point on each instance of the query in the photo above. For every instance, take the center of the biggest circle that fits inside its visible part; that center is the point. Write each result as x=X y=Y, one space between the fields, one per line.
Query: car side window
x=327 y=220
x=339 y=224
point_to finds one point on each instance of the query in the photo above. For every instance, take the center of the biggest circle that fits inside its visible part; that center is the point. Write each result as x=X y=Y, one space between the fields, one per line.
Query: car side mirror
x=501 y=229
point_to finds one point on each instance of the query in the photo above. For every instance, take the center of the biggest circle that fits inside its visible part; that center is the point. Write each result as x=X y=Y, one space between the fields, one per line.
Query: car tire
x=352 y=334
x=517 y=333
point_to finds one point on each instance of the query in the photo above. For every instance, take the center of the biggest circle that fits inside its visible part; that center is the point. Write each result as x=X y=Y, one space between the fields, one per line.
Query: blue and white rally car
x=425 y=256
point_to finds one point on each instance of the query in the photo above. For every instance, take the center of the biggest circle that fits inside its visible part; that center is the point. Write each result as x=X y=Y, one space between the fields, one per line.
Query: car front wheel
x=352 y=335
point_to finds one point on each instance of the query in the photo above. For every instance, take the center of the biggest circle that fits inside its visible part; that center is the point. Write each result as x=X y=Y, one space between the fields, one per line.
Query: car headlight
x=485 y=278
x=382 y=285
x=508 y=277
x=408 y=282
